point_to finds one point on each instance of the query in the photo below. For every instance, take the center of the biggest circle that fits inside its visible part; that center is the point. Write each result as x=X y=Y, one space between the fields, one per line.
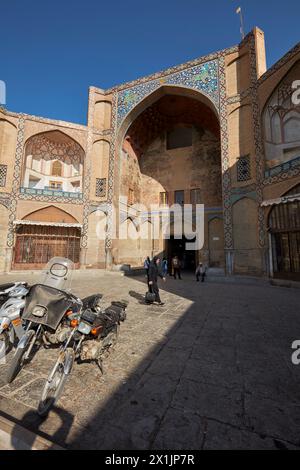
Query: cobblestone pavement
x=211 y=369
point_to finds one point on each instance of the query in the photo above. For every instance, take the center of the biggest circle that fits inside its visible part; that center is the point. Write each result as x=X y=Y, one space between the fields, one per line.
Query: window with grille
x=163 y=199
x=100 y=187
x=244 y=168
x=195 y=196
x=3 y=172
x=56 y=168
x=57 y=185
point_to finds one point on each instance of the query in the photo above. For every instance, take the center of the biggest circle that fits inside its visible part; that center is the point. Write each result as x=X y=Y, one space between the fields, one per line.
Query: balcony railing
x=50 y=192
x=286 y=166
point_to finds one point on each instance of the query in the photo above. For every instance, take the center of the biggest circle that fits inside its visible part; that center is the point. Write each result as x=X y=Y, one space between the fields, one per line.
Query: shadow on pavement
x=20 y=437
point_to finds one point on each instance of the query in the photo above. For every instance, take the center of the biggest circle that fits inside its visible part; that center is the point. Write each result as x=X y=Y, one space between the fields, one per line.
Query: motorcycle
x=90 y=340
x=49 y=312
x=12 y=303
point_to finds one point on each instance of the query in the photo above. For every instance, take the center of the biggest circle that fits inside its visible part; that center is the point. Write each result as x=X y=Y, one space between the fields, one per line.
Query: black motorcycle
x=91 y=340
x=50 y=312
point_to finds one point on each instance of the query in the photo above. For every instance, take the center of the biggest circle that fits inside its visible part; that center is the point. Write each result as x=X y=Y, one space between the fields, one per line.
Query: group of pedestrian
x=155 y=269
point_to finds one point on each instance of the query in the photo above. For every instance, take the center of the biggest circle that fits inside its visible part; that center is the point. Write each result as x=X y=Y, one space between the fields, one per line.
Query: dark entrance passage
x=287 y=255
x=178 y=247
x=284 y=225
x=36 y=244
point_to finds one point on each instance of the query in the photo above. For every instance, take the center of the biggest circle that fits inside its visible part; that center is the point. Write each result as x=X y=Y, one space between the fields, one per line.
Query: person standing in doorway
x=176 y=265
x=164 y=265
x=154 y=272
x=200 y=272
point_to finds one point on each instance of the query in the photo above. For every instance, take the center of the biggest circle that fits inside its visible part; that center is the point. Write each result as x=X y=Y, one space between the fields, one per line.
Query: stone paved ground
x=209 y=370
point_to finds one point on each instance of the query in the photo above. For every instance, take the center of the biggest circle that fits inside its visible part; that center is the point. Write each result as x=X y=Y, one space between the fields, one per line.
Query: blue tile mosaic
x=203 y=78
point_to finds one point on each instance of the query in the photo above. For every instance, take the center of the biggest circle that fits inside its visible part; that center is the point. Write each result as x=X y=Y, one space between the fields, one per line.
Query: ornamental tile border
x=111 y=168
x=44 y=198
x=226 y=178
x=5 y=199
x=87 y=174
x=283 y=168
x=202 y=78
x=282 y=176
x=55 y=122
x=172 y=70
x=239 y=97
x=288 y=56
x=258 y=142
x=16 y=179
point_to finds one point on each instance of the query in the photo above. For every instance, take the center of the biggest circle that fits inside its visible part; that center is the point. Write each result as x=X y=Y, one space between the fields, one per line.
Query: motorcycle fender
x=25 y=339
x=68 y=365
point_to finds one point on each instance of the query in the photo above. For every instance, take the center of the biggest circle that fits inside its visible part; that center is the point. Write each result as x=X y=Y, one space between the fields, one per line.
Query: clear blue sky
x=52 y=51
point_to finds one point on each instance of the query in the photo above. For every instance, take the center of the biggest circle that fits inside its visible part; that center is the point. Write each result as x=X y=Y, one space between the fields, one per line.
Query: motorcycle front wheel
x=56 y=382
x=18 y=358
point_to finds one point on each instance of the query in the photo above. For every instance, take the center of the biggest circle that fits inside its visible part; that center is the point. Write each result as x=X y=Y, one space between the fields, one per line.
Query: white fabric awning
x=49 y=224
x=281 y=200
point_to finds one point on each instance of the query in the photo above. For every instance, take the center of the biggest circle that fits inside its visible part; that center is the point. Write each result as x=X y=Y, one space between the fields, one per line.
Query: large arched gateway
x=170 y=153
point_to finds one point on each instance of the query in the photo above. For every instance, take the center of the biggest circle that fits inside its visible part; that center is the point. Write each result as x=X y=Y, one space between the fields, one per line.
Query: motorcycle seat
x=91 y=301
x=120 y=303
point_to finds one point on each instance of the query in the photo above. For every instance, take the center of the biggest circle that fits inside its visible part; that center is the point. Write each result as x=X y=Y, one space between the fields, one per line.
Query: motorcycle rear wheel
x=55 y=383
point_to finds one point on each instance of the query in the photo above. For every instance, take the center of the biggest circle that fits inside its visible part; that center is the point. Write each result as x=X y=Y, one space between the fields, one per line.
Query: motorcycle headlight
x=84 y=328
x=39 y=311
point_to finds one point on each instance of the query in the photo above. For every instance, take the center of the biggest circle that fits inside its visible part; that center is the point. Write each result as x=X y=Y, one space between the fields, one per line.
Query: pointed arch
x=50 y=213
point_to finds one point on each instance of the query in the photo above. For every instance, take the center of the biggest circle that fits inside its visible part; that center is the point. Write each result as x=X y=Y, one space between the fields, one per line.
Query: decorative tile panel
x=87 y=174
x=55 y=195
x=3 y=173
x=243 y=168
x=258 y=141
x=226 y=179
x=100 y=187
x=282 y=172
x=16 y=180
x=203 y=78
x=111 y=168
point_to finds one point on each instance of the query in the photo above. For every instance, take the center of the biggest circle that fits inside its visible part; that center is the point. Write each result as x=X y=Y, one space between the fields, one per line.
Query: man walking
x=154 y=272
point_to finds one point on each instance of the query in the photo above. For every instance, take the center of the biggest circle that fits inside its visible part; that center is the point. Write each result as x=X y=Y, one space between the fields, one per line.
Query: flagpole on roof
x=239 y=12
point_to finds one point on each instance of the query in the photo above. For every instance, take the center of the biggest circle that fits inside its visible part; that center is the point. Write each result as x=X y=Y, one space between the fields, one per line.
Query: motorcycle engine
x=59 y=336
x=91 y=350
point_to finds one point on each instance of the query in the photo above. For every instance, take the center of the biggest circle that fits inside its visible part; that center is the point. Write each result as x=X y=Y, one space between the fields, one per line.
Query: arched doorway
x=170 y=153
x=284 y=228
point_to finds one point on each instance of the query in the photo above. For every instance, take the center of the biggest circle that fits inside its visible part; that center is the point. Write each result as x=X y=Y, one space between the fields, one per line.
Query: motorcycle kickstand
x=100 y=365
